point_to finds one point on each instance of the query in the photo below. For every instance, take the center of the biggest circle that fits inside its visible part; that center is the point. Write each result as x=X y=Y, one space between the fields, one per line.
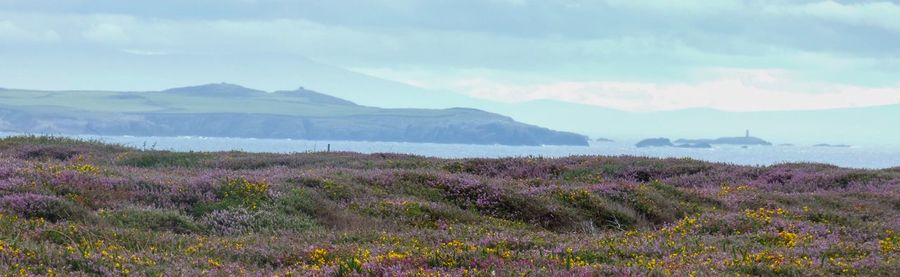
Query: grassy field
x=85 y=208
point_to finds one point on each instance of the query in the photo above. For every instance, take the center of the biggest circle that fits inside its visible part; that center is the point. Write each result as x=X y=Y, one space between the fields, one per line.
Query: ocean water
x=856 y=157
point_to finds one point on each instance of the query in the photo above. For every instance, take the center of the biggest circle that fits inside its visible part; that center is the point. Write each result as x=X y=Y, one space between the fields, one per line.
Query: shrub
x=237 y=221
x=598 y=211
x=639 y=175
x=54 y=144
x=325 y=212
x=466 y=191
x=516 y=168
x=237 y=192
x=51 y=208
x=162 y=159
x=427 y=214
x=535 y=211
x=241 y=221
x=661 y=203
x=584 y=175
x=47 y=152
x=151 y=219
x=336 y=191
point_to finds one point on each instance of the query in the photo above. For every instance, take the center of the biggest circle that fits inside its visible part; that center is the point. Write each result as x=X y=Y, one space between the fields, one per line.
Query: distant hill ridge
x=213 y=90
x=229 y=110
x=315 y=96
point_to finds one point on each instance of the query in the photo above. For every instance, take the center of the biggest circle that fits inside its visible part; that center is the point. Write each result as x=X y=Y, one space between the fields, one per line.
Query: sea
x=853 y=157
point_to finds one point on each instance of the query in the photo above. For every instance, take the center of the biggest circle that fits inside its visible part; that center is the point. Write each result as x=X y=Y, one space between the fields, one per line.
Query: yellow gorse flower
x=765 y=214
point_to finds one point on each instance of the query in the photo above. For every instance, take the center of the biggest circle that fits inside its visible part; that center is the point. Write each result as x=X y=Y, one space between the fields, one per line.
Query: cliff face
x=224 y=110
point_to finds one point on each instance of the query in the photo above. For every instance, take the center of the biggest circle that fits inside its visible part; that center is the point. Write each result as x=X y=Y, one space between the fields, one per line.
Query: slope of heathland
x=85 y=208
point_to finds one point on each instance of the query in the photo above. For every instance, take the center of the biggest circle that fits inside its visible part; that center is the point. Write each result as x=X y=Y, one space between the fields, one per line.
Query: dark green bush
x=660 y=203
x=325 y=212
x=163 y=159
x=597 y=211
x=48 y=207
x=237 y=192
x=151 y=219
x=536 y=211
x=418 y=214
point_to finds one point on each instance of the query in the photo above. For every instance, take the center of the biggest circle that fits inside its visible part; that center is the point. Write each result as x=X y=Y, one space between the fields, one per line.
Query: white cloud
x=512 y=2
x=620 y=62
x=731 y=90
x=106 y=33
x=10 y=31
x=876 y=14
x=883 y=14
x=684 y=6
x=145 y=52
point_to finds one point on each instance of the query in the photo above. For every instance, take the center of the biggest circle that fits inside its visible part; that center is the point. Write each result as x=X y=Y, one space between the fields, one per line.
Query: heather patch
x=82 y=208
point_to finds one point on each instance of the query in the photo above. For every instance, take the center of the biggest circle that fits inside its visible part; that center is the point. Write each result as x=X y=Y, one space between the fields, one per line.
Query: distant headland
x=228 y=110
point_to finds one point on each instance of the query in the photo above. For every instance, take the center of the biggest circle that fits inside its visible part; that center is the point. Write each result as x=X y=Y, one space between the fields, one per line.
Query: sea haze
x=855 y=157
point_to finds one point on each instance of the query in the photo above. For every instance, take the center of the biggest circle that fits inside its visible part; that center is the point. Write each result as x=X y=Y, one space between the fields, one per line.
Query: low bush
x=598 y=211
x=241 y=221
x=324 y=211
x=237 y=192
x=51 y=208
x=162 y=159
x=151 y=219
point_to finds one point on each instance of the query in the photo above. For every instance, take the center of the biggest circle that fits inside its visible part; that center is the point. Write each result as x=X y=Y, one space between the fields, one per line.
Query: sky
x=641 y=56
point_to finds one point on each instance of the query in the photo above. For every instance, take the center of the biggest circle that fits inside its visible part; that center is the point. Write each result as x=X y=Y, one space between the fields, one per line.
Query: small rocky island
x=832 y=145
x=745 y=140
x=665 y=142
x=703 y=143
x=655 y=142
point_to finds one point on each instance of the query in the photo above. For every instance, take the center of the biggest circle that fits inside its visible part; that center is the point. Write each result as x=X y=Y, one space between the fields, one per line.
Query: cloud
x=876 y=14
x=10 y=31
x=637 y=55
x=680 y=6
x=731 y=90
x=512 y=2
x=107 y=33
x=145 y=52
